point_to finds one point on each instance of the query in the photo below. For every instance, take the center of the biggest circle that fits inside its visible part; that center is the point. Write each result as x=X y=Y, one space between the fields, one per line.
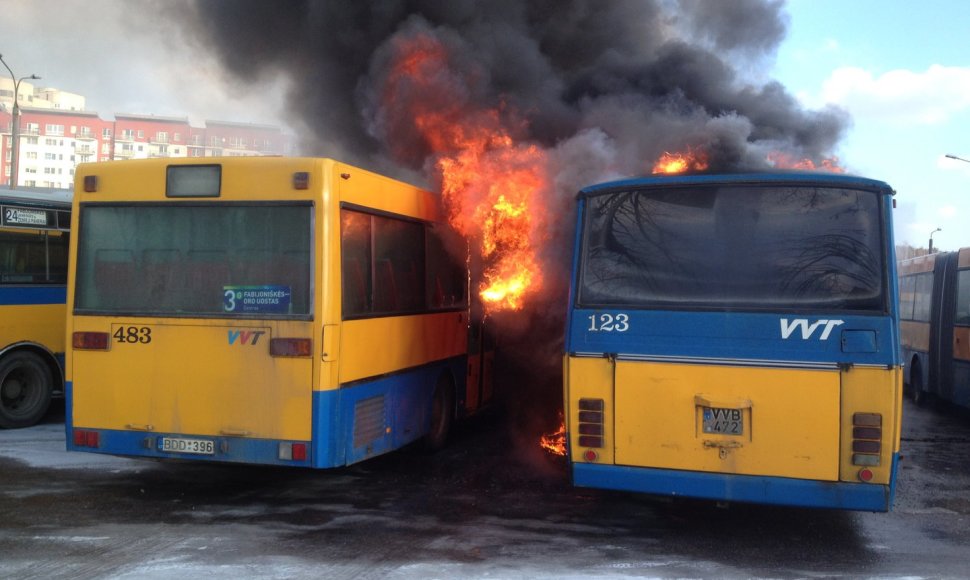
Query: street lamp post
x=931 y=239
x=15 y=124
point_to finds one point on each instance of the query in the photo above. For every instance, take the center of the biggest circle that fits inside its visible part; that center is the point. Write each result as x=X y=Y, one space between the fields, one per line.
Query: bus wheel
x=442 y=415
x=916 y=385
x=26 y=385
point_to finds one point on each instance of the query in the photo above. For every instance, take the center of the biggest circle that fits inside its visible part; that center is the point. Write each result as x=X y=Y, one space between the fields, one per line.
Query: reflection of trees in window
x=630 y=250
x=838 y=265
x=718 y=246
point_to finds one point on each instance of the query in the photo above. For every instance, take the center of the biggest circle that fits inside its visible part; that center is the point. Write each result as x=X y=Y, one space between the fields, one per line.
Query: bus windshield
x=227 y=260
x=767 y=247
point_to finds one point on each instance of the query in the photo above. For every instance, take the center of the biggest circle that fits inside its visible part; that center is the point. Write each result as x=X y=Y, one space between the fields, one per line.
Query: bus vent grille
x=369 y=420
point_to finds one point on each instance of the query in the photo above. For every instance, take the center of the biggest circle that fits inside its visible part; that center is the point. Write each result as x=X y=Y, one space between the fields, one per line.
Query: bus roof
x=768 y=178
x=53 y=198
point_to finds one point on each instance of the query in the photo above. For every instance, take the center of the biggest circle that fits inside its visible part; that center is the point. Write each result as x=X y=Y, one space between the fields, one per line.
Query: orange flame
x=490 y=183
x=555 y=442
x=785 y=161
x=691 y=160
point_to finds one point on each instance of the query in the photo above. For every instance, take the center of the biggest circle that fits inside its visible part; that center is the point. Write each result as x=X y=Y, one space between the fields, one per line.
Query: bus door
x=728 y=419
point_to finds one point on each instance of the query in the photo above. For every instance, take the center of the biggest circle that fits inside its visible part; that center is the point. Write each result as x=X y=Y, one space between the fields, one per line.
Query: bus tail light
x=292 y=451
x=290 y=347
x=866 y=442
x=90 y=340
x=84 y=438
x=591 y=422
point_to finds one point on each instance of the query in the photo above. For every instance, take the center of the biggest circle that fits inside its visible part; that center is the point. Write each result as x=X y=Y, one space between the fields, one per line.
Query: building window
x=31 y=155
x=177 y=137
x=54 y=129
x=106 y=133
x=141 y=134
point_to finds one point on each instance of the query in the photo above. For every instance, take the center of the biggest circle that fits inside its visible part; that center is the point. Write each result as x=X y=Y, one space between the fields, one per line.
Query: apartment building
x=57 y=135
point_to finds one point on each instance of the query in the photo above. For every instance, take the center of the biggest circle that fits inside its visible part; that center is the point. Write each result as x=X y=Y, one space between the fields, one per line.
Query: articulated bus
x=734 y=338
x=934 y=308
x=284 y=311
x=34 y=236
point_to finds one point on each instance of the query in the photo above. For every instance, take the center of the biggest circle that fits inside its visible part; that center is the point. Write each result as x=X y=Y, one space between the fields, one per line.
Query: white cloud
x=951 y=164
x=948 y=211
x=899 y=96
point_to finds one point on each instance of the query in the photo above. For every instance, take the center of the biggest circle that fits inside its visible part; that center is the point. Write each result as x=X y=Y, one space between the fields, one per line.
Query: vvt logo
x=788 y=327
x=245 y=336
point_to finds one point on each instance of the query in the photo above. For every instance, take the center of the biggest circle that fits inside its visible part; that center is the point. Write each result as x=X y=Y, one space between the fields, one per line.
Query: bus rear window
x=761 y=248
x=233 y=260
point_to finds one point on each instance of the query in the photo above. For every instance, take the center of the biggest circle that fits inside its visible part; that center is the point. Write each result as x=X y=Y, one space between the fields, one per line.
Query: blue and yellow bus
x=287 y=311
x=34 y=238
x=735 y=338
x=934 y=312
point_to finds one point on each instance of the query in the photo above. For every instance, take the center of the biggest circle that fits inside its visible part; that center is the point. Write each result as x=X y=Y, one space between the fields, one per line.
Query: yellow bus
x=735 y=338
x=934 y=309
x=288 y=311
x=34 y=236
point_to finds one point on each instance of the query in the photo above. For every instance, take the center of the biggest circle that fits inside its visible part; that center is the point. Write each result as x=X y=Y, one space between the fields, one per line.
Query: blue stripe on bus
x=23 y=295
x=734 y=335
x=406 y=411
x=740 y=488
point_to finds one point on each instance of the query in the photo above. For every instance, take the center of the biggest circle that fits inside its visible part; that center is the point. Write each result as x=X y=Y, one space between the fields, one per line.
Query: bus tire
x=916 y=385
x=442 y=414
x=26 y=385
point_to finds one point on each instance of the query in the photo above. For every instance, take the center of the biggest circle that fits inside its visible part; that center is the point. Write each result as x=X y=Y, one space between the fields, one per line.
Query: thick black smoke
x=652 y=75
x=605 y=86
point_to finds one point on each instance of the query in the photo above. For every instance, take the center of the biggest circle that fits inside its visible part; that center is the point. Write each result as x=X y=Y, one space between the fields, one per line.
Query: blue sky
x=902 y=69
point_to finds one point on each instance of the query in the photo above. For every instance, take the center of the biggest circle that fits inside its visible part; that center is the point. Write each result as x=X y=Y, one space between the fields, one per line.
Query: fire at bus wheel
x=26 y=385
x=442 y=414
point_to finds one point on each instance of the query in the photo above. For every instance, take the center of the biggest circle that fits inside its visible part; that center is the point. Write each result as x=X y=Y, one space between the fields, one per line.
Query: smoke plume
x=590 y=89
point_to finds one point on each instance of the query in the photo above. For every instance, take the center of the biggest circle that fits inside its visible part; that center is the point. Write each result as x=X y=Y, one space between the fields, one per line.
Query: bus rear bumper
x=138 y=444
x=738 y=488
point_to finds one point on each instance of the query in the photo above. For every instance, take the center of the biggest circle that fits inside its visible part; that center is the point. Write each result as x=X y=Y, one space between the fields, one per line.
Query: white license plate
x=723 y=421
x=195 y=446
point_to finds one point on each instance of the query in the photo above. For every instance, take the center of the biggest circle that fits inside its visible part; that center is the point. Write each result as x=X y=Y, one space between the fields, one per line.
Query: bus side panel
x=366 y=419
x=33 y=315
x=871 y=390
x=378 y=346
x=589 y=378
